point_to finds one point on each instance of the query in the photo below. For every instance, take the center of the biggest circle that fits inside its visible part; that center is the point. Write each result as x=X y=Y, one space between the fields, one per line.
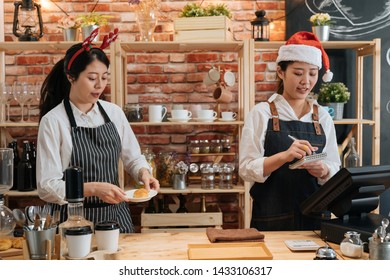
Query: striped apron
x=97 y=151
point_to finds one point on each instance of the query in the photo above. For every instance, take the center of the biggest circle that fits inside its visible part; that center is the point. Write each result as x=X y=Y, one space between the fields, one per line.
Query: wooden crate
x=203 y=29
x=174 y=222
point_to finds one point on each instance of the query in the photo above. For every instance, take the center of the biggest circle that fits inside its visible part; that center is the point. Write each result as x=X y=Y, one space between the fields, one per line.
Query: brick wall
x=168 y=78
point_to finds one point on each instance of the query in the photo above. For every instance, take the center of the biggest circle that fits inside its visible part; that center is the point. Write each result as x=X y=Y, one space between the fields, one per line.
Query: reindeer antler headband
x=87 y=44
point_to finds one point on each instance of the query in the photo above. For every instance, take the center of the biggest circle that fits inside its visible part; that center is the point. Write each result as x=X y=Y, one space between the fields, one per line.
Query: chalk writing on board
x=353 y=19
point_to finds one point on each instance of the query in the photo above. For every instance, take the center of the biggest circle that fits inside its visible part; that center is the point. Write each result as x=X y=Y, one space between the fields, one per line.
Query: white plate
x=204 y=120
x=178 y=120
x=227 y=120
x=130 y=195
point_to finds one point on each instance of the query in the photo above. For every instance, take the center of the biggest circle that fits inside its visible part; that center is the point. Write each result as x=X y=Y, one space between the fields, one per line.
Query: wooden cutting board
x=11 y=252
x=229 y=251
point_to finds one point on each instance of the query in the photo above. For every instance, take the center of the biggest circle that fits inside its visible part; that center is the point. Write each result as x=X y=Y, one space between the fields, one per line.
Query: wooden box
x=203 y=29
x=174 y=222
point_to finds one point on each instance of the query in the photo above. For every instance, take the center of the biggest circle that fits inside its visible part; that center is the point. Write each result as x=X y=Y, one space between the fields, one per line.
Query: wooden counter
x=173 y=246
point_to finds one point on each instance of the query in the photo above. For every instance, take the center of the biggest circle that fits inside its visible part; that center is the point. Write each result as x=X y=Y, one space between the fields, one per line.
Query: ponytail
x=54 y=89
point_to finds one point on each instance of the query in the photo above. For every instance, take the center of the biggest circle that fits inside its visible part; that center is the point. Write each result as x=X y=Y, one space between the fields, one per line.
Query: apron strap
x=69 y=112
x=315 y=118
x=275 y=116
x=105 y=116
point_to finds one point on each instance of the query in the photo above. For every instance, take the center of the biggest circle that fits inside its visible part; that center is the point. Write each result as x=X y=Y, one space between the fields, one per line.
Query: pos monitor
x=351 y=194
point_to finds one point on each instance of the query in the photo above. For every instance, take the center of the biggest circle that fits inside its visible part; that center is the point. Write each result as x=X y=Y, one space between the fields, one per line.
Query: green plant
x=333 y=92
x=320 y=19
x=93 y=18
x=196 y=10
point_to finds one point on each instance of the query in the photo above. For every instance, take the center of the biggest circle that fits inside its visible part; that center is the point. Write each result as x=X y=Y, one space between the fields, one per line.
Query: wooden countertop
x=173 y=246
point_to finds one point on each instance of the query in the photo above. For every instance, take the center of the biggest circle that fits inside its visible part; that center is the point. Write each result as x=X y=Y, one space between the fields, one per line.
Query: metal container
x=378 y=250
x=179 y=181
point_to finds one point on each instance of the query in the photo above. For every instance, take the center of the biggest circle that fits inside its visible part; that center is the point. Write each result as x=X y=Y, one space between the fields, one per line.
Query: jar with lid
x=134 y=112
x=226 y=177
x=166 y=162
x=204 y=146
x=207 y=177
x=216 y=146
x=194 y=147
x=352 y=246
x=225 y=145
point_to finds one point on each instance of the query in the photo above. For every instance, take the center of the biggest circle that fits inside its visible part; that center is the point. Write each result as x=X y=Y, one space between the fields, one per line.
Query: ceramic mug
x=157 y=113
x=181 y=114
x=330 y=110
x=229 y=115
x=222 y=95
x=212 y=77
x=229 y=78
x=207 y=114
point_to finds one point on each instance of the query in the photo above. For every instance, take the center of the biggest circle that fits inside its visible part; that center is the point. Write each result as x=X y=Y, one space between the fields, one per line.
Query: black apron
x=276 y=201
x=97 y=151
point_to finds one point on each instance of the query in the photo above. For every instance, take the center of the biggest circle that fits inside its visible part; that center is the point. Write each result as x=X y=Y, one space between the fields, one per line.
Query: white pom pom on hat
x=305 y=47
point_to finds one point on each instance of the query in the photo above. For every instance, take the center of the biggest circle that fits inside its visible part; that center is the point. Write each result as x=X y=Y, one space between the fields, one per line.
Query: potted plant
x=91 y=21
x=70 y=27
x=204 y=23
x=320 y=25
x=334 y=95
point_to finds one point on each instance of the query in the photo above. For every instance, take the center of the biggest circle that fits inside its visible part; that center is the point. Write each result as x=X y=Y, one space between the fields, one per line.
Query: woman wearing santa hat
x=267 y=147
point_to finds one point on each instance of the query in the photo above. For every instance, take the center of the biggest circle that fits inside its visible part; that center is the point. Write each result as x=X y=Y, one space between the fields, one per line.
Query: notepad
x=307 y=159
x=301 y=245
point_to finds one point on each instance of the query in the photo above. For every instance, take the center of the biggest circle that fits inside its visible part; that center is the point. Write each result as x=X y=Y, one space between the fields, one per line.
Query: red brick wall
x=159 y=77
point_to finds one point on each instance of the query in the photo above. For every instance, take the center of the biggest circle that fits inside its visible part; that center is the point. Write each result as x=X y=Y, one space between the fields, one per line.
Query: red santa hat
x=305 y=47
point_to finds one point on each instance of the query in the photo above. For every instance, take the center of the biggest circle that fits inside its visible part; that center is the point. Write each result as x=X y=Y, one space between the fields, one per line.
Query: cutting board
x=229 y=251
x=11 y=252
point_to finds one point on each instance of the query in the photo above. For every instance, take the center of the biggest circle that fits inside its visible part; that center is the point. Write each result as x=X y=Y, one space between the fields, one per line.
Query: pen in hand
x=295 y=139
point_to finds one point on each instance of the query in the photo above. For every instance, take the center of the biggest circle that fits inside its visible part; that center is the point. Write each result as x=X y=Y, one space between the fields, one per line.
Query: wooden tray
x=11 y=252
x=229 y=251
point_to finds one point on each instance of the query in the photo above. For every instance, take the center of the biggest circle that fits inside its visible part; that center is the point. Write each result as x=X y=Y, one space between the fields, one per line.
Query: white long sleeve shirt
x=251 y=161
x=54 y=146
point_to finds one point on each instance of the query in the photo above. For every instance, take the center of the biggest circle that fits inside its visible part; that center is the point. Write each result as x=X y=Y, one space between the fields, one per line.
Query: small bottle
x=353 y=158
x=203 y=208
x=182 y=205
x=151 y=208
x=25 y=170
x=14 y=146
x=74 y=192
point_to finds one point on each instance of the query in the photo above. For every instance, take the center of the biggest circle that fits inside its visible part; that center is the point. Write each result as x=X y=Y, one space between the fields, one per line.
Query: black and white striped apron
x=97 y=151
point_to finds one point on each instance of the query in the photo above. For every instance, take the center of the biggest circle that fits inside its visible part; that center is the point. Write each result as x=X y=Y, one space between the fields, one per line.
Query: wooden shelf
x=19 y=124
x=187 y=123
x=181 y=46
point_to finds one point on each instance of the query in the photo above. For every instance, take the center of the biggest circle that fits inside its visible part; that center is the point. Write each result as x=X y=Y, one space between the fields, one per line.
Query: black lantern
x=260 y=27
x=27 y=16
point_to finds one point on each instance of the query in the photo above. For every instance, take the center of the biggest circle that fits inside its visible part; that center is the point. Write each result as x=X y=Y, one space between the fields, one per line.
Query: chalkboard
x=359 y=20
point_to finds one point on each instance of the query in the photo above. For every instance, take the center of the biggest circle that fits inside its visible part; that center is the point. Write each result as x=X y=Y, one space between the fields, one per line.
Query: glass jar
x=166 y=162
x=216 y=146
x=208 y=177
x=204 y=146
x=150 y=156
x=194 y=147
x=352 y=246
x=225 y=145
x=226 y=177
x=134 y=112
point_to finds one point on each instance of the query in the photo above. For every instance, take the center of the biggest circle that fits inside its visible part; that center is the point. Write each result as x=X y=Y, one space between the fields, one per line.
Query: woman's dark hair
x=57 y=86
x=283 y=66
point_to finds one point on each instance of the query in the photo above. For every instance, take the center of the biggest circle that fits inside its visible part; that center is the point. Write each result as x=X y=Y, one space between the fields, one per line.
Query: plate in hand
x=130 y=195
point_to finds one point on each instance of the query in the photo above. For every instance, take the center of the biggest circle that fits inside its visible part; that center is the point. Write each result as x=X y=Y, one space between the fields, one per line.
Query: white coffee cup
x=107 y=236
x=229 y=115
x=157 y=113
x=181 y=114
x=79 y=240
x=207 y=114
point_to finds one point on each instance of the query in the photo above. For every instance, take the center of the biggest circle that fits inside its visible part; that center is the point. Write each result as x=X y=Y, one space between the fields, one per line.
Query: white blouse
x=54 y=146
x=251 y=161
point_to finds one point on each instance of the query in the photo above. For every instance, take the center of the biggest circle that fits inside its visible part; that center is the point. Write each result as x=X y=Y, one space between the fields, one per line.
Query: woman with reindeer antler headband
x=78 y=129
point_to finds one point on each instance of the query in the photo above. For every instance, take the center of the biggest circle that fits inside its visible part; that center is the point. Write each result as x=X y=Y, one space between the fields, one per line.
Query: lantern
x=260 y=27
x=27 y=16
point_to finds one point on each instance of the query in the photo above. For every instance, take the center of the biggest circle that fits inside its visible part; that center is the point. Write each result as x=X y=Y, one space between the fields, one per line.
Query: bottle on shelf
x=352 y=159
x=25 y=170
x=182 y=206
x=203 y=208
x=74 y=187
x=14 y=146
x=151 y=208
